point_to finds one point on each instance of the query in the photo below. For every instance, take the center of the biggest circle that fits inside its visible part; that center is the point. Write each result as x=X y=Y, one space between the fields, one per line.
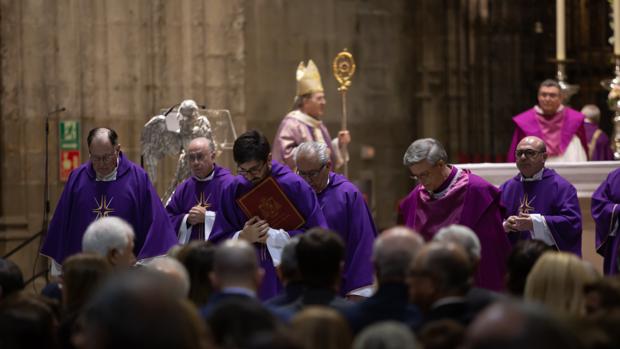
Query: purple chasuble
x=194 y=192
x=346 y=213
x=232 y=219
x=470 y=201
x=555 y=199
x=601 y=149
x=526 y=124
x=605 y=211
x=131 y=197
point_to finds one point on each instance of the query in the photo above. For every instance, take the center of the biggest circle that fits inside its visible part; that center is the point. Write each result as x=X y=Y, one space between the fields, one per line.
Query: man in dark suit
x=440 y=278
x=392 y=254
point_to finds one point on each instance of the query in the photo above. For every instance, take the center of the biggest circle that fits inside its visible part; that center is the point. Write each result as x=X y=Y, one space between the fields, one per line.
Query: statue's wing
x=158 y=142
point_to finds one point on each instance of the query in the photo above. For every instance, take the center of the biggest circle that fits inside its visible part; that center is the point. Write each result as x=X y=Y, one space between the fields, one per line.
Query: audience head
x=393 y=252
x=439 y=270
x=27 y=321
x=549 y=96
x=201 y=156
x=313 y=164
x=175 y=272
x=197 y=257
x=531 y=155
x=521 y=261
x=321 y=327
x=235 y=265
x=83 y=273
x=11 y=278
x=385 y=335
x=592 y=113
x=236 y=321
x=323 y=272
x=516 y=325
x=112 y=238
x=464 y=237
x=135 y=309
x=557 y=280
x=603 y=296
x=288 y=270
x=252 y=154
x=442 y=334
x=426 y=160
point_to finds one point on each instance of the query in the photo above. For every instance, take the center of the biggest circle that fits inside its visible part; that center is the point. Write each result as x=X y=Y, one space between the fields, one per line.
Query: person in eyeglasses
x=346 y=212
x=194 y=205
x=252 y=154
x=541 y=204
x=446 y=194
x=560 y=127
x=107 y=185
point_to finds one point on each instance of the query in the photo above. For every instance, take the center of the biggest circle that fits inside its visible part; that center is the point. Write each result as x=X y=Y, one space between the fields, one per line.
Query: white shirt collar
x=111 y=176
x=536 y=177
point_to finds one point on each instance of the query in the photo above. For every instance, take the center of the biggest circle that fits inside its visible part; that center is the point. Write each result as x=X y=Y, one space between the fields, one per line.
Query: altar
x=585 y=176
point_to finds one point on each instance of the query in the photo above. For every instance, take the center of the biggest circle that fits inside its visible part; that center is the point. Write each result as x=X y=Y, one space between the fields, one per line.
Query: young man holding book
x=265 y=205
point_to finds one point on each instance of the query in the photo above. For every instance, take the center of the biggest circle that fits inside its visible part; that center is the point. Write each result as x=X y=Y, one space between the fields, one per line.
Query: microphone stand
x=46 y=205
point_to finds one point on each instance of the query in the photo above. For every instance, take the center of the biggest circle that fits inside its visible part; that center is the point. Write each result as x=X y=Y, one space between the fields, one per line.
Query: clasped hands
x=255 y=230
x=344 y=138
x=522 y=222
x=196 y=215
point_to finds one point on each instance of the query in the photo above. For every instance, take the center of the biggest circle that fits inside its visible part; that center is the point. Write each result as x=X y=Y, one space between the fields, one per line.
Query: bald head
x=201 y=156
x=175 y=272
x=202 y=143
x=393 y=252
x=535 y=142
x=235 y=264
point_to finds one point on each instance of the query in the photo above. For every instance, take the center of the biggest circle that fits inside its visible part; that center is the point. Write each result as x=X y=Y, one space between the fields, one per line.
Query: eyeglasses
x=103 y=158
x=254 y=171
x=195 y=157
x=311 y=174
x=529 y=153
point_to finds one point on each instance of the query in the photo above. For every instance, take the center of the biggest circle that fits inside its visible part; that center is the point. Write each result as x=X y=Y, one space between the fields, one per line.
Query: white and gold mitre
x=308 y=79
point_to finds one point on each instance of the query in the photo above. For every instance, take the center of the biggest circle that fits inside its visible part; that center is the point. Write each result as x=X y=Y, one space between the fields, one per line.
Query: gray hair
x=462 y=236
x=317 y=149
x=209 y=140
x=550 y=83
x=591 y=112
x=106 y=234
x=235 y=260
x=425 y=149
x=385 y=335
x=174 y=271
x=298 y=101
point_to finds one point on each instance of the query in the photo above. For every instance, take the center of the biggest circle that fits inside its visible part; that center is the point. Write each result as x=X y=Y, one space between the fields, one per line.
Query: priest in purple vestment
x=606 y=213
x=304 y=124
x=194 y=205
x=599 y=148
x=541 y=204
x=346 y=213
x=252 y=154
x=108 y=185
x=449 y=195
x=560 y=127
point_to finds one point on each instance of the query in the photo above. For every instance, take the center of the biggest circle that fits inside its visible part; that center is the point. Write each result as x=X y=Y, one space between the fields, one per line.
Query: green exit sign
x=69 y=134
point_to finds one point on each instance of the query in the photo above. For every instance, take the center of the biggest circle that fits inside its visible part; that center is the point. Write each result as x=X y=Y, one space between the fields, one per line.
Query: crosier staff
x=344 y=68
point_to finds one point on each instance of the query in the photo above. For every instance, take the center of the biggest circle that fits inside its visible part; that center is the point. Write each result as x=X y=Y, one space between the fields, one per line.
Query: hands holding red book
x=255 y=230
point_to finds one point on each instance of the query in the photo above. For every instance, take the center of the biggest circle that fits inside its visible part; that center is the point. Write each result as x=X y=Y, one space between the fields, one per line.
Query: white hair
x=176 y=273
x=317 y=149
x=106 y=234
x=425 y=149
x=462 y=236
x=591 y=112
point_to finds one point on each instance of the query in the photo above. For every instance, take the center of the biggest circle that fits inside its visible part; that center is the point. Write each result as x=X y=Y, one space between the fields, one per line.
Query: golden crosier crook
x=344 y=68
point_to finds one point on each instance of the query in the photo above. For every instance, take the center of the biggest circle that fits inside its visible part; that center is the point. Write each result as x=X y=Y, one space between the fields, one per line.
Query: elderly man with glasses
x=251 y=152
x=195 y=203
x=107 y=185
x=346 y=212
x=541 y=204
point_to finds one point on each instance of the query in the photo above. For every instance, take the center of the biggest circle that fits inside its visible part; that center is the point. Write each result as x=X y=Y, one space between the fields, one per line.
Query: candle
x=616 y=10
x=560 y=47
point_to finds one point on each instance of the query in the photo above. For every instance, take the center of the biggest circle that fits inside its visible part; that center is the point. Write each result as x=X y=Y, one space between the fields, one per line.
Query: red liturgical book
x=268 y=201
